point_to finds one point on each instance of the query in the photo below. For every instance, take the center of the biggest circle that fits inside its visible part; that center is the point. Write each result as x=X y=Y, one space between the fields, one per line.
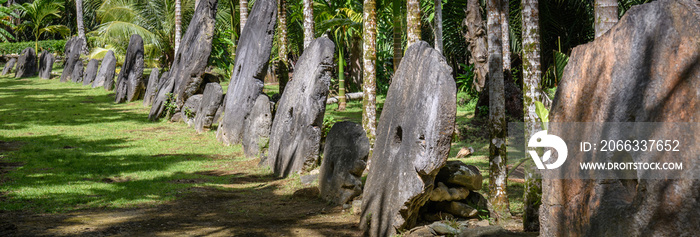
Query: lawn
x=67 y=150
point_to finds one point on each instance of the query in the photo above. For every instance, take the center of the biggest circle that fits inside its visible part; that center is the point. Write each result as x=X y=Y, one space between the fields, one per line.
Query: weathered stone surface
x=413 y=141
x=458 y=173
x=444 y=193
x=67 y=49
x=220 y=111
x=258 y=124
x=9 y=66
x=213 y=97
x=645 y=69
x=250 y=66
x=457 y=208
x=186 y=72
x=46 y=61
x=295 y=139
x=90 y=72
x=130 y=84
x=72 y=54
x=27 y=64
x=189 y=109
x=77 y=74
x=344 y=158
x=105 y=77
x=151 y=88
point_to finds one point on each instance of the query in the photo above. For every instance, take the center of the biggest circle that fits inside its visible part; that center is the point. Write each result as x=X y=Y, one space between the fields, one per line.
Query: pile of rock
x=454 y=195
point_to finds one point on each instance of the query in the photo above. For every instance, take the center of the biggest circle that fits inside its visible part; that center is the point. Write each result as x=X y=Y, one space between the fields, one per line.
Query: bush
x=55 y=46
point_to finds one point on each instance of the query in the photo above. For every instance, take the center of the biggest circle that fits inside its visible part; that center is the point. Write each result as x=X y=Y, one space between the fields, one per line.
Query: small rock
x=346 y=206
x=310 y=177
x=458 y=173
x=421 y=231
x=464 y=152
x=443 y=193
x=443 y=228
x=457 y=209
x=357 y=207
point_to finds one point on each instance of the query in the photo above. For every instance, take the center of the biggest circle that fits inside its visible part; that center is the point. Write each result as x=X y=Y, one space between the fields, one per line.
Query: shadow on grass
x=66 y=184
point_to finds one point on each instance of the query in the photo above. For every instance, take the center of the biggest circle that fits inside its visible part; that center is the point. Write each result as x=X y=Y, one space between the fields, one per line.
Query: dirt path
x=250 y=205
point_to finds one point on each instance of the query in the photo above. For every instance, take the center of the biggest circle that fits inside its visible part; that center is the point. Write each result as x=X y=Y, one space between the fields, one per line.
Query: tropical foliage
x=37 y=16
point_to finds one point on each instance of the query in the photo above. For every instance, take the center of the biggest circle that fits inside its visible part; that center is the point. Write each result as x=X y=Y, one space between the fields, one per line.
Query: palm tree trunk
x=308 y=22
x=398 y=32
x=605 y=16
x=505 y=16
x=81 y=29
x=498 y=176
x=369 y=86
x=438 y=25
x=178 y=25
x=412 y=21
x=282 y=67
x=531 y=80
x=244 y=12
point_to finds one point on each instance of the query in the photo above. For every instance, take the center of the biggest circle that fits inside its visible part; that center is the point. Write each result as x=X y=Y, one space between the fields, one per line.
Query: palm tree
x=81 y=29
x=178 y=25
x=413 y=21
x=283 y=64
x=153 y=20
x=605 y=16
x=244 y=12
x=344 y=24
x=308 y=22
x=505 y=32
x=438 y=25
x=38 y=15
x=498 y=177
x=369 y=85
x=531 y=82
x=6 y=13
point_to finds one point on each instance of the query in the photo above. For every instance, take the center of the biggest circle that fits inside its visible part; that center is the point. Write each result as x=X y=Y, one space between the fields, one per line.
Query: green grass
x=78 y=149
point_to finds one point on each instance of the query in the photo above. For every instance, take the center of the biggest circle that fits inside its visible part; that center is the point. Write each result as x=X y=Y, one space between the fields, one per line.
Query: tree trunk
x=243 y=4
x=283 y=64
x=308 y=22
x=438 y=25
x=605 y=16
x=355 y=65
x=341 y=80
x=412 y=21
x=178 y=24
x=505 y=32
x=498 y=177
x=531 y=80
x=348 y=96
x=81 y=29
x=397 y=10
x=369 y=86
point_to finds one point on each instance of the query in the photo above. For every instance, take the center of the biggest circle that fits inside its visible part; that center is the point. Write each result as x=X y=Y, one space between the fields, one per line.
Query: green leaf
x=542 y=112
